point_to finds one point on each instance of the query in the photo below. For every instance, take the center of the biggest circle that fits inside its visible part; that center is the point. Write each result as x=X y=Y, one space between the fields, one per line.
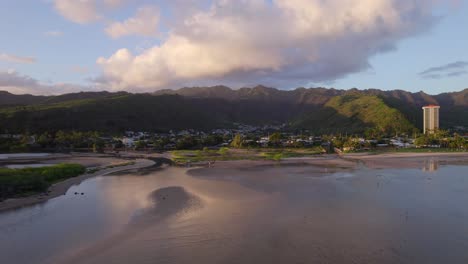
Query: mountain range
x=320 y=110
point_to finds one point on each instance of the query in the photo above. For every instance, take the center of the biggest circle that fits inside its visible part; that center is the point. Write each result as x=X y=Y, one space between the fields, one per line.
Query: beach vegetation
x=223 y=151
x=275 y=139
x=441 y=139
x=238 y=141
x=25 y=181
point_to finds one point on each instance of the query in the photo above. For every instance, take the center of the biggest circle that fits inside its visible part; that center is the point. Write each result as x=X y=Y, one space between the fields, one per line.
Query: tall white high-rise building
x=431 y=118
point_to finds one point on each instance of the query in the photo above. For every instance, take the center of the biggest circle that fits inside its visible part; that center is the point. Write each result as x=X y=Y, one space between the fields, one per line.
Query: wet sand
x=351 y=161
x=164 y=204
x=323 y=160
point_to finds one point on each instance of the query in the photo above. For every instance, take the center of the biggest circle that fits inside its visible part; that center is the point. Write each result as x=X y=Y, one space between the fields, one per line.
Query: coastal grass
x=279 y=154
x=27 y=181
x=229 y=154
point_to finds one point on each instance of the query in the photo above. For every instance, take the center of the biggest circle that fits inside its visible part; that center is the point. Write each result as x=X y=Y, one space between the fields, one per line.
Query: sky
x=61 y=46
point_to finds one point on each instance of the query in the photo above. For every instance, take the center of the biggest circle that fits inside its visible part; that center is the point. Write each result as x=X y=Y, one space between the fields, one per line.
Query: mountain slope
x=370 y=110
x=318 y=109
x=353 y=112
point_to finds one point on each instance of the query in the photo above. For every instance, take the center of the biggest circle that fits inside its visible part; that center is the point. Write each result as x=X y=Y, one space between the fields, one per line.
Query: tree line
x=60 y=140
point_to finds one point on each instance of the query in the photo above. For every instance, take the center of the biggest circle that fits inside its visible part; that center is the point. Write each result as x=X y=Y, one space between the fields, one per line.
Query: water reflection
x=291 y=214
x=431 y=165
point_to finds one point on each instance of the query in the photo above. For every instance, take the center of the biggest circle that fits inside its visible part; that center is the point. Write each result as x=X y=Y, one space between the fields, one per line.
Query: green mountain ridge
x=371 y=111
x=316 y=109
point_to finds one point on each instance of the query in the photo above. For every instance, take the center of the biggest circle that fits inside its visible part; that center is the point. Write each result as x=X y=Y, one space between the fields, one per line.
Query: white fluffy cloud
x=16 y=83
x=144 y=23
x=285 y=42
x=84 y=11
x=16 y=59
x=78 y=11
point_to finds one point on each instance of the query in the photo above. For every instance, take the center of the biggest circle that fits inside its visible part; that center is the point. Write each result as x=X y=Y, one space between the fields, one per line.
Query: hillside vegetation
x=317 y=109
x=371 y=111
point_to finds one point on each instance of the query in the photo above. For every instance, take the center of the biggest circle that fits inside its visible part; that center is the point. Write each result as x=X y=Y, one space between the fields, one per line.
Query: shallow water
x=280 y=214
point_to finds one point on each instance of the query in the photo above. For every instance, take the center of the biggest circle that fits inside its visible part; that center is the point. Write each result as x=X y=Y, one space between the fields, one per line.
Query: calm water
x=293 y=214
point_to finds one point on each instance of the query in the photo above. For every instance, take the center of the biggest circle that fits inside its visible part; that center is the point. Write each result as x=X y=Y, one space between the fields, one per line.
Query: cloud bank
x=274 y=42
x=16 y=83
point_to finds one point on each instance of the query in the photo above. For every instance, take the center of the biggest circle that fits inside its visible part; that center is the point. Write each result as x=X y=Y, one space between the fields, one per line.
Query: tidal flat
x=363 y=210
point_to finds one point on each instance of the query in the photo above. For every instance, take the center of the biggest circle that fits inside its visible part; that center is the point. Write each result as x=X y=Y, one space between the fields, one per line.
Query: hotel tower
x=431 y=118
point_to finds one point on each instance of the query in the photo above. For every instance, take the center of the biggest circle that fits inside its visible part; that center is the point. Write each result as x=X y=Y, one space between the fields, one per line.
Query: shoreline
x=325 y=160
x=60 y=188
x=404 y=154
x=424 y=161
x=342 y=160
x=347 y=161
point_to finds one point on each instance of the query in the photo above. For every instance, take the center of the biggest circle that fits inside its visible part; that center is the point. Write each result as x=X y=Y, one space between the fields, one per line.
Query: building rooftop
x=431 y=106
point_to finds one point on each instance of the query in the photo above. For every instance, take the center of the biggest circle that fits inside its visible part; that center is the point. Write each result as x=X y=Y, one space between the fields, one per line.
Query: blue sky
x=447 y=42
x=45 y=49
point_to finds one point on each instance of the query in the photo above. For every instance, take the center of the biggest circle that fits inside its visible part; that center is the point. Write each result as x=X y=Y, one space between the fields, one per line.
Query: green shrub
x=223 y=151
x=17 y=182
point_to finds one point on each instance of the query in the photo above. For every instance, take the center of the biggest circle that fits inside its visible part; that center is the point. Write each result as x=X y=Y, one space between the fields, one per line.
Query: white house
x=128 y=142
